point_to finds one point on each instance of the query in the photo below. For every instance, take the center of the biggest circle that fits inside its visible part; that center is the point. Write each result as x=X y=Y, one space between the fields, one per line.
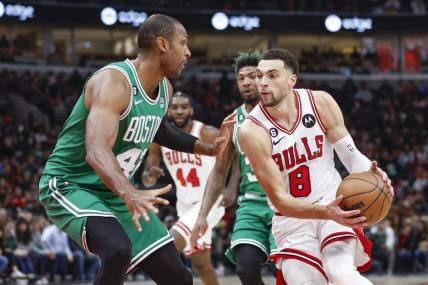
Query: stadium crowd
x=387 y=122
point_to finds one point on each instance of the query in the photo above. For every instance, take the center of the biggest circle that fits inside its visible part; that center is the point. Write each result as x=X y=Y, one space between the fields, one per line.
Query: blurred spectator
x=22 y=250
x=39 y=251
x=85 y=265
x=383 y=238
x=418 y=7
x=57 y=242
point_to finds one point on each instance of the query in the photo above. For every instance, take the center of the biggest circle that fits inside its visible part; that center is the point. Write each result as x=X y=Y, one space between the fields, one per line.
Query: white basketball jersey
x=189 y=171
x=303 y=153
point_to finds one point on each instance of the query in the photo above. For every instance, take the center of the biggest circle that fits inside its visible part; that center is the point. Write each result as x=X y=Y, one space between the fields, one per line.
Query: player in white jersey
x=289 y=140
x=190 y=173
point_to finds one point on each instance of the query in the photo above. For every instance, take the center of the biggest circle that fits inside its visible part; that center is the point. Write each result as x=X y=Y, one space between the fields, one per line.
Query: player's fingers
x=357 y=225
x=352 y=213
x=219 y=140
x=161 y=191
x=160 y=201
x=337 y=201
x=144 y=214
x=374 y=166
x=135 y=220
x=159 y=172
x=357 y=220
x=150 y=207
x=229 y=122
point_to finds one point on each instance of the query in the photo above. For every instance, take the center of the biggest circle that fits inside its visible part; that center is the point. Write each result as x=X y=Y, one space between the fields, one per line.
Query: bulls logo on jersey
x=273 y=132
x=308 y=120
x=134 y=91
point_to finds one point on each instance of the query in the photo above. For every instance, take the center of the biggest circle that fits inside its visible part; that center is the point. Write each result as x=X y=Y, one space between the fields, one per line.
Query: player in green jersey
x=86 y=187
x=252 y=241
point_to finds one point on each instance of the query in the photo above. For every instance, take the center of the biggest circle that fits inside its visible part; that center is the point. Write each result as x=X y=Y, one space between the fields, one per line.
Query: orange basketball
x=368 y=193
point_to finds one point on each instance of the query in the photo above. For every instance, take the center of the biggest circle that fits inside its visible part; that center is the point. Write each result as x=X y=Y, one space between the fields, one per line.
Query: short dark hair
x=154 y=26
x=180 y=94
x=246 y=59
x=290 y=61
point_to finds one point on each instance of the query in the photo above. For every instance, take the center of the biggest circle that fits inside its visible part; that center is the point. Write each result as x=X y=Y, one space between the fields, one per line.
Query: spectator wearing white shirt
x=57 y=242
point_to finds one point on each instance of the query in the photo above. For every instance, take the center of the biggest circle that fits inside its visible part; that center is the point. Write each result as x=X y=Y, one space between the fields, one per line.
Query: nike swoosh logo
x=138 y=102
x=277 y=141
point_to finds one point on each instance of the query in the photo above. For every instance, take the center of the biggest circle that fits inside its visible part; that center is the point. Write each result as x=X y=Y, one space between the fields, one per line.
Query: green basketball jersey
x=249 y=183
x=137 y=128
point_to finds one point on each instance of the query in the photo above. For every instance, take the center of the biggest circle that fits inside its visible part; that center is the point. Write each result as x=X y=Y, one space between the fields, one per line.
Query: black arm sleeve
x=172 y=137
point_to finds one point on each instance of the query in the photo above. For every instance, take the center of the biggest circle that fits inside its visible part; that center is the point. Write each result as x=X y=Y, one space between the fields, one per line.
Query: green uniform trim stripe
x=148 y=99
x=69 y=206
x=121 y=70
x=249 y=241
x=149 y=250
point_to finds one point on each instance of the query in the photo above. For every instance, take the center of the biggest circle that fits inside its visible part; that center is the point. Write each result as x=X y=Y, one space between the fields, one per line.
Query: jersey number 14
x=191 y=178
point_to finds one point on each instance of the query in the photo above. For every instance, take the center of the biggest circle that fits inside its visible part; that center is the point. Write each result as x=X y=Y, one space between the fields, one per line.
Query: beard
x=181 y=124
x=272 y=102
x=251 y=100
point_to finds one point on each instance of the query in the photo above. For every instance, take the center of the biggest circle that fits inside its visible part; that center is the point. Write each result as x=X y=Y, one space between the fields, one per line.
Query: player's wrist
x=323 y=212
x=203 y=148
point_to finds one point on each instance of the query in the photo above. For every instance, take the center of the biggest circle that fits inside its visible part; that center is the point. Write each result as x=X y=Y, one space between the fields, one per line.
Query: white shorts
x=304 y=240
x=187 y=215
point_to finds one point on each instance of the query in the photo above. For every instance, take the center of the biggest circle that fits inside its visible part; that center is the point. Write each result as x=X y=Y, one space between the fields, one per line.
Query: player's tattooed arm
x=152 y=170
x=255 y=143
x=107 y=96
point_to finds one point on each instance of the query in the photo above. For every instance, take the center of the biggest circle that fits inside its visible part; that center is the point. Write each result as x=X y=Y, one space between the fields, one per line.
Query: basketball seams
x=374 y=199
x=374 y=188
x=371 y=204
x=381 y=209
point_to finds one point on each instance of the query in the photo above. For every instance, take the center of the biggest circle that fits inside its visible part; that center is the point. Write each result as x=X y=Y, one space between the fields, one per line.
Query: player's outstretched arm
x=214 y=187
x=256 y=144
x=152 y=170
x=230 y=192
x=343 y=144
x=107 y=96
x=174 y=138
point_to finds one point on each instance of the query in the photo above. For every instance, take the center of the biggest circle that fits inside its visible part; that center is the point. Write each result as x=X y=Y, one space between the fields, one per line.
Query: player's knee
x=343 y=274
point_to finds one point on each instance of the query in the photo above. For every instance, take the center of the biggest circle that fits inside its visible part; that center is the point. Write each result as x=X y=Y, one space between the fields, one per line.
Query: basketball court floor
x=377 y=280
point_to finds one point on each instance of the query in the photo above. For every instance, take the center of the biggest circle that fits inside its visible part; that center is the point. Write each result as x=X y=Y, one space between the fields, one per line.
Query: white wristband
x=350 y=156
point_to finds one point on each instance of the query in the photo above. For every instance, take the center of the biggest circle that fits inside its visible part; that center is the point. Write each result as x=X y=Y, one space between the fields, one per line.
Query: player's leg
x=338 y=261
x=165 y=267
x=106 y=238
x=296 y=272
x=201 y=261
x=249 y=260
x=179 y=240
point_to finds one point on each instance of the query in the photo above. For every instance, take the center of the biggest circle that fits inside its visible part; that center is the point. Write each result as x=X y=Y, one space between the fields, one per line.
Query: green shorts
x=68 y=205
x=252 y=226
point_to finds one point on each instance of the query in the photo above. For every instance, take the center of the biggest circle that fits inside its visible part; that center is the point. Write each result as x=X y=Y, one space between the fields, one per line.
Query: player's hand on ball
x=139 y=202
x=376 y=169
x=198 y=231
x=347 y=218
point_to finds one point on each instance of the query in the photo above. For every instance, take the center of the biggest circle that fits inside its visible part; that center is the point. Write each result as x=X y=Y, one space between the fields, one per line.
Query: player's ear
x=292 y=81
x=191 y=112
x=162 y=44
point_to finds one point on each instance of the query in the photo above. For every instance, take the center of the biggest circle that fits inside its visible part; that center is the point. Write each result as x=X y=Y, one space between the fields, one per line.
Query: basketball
x=366 y=191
